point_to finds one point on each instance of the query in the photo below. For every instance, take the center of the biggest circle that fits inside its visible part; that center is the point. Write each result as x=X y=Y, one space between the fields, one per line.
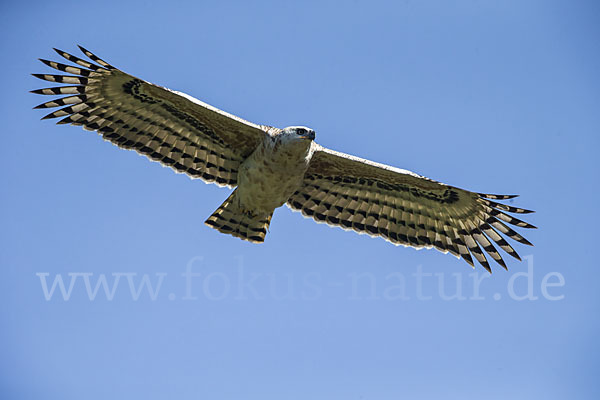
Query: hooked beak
x=310 y=135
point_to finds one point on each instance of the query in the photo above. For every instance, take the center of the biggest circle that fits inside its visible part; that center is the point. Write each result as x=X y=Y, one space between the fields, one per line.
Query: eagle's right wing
x=173 y=128
x=405 y=208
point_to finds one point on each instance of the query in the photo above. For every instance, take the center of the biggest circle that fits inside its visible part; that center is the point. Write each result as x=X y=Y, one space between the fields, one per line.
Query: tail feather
x=232 y=220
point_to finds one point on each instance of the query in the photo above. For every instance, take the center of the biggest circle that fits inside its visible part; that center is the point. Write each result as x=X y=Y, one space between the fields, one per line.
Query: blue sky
x=498 y=97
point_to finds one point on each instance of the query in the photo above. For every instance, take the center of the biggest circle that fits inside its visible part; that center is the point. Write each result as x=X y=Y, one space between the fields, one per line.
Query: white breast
x=271 y=174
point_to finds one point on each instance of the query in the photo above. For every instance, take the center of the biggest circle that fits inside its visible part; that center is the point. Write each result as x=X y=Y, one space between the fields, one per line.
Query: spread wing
x=166 y=126
x=405 y=208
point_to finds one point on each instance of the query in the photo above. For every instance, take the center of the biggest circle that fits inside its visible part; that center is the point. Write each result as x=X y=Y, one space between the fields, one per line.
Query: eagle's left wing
x=405 y=208
x=172 y=128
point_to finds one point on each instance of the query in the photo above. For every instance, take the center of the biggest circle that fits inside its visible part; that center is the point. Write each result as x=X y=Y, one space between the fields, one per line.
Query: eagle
x=270 y=167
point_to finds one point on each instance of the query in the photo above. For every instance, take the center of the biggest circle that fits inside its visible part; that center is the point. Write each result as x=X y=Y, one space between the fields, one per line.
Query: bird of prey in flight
x=270 y=167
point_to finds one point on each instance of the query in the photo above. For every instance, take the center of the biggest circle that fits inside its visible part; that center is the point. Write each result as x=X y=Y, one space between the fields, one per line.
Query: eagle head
x=295 y=133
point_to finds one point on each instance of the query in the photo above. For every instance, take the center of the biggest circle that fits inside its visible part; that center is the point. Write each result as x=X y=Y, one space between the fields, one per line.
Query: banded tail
x=229 y=218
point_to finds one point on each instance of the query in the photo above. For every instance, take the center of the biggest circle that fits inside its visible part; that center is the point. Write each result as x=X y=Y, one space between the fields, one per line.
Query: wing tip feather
x=498 y=196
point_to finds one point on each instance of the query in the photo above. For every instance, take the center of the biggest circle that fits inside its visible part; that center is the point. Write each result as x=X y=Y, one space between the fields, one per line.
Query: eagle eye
x=300 y=131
